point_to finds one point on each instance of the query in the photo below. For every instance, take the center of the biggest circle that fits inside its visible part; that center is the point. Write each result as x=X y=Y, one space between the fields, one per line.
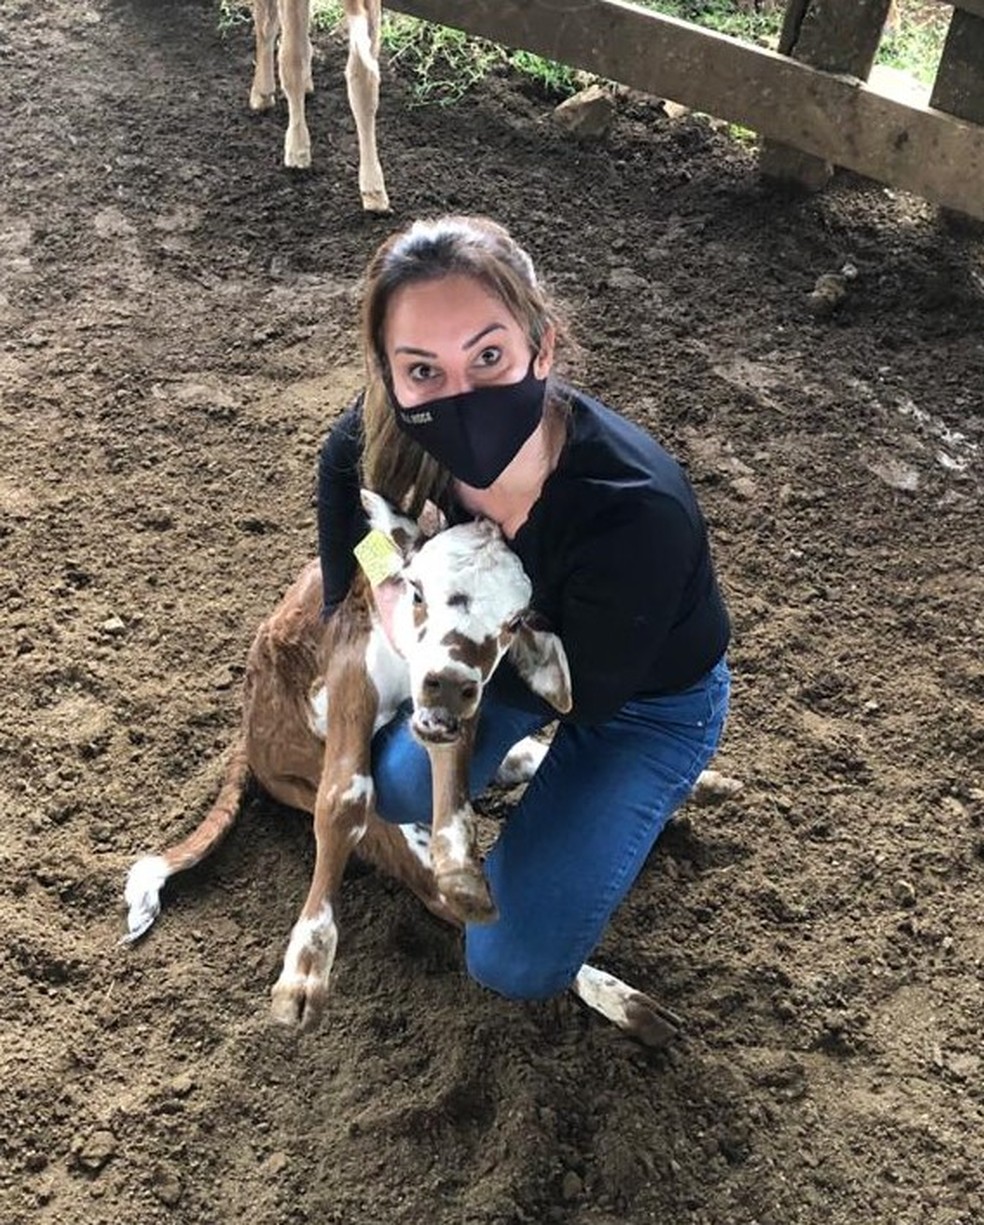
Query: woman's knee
x=512 y=970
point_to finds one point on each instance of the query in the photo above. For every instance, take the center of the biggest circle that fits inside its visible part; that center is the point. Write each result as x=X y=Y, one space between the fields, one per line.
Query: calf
x=314 y=694
x=291 y=19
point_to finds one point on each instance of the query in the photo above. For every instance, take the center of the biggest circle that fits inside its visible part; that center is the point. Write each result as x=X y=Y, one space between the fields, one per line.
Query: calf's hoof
x=466 y=894
x=261 y=102
x=637 y=1014
x=650 y=1023
x=376 y=201
x=298 y=1005
x=297 y=152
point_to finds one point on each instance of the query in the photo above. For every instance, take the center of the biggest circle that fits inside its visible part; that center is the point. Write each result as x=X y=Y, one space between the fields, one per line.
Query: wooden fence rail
x=832 y=116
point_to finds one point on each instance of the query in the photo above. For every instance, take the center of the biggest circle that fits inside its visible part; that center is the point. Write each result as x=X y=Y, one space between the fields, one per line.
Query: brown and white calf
x=314 y=694
x=290 y=19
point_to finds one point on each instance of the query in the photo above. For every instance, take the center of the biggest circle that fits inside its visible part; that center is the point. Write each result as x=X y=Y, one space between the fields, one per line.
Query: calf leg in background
x=266 y=25
x=362 y=80
x=295 y=79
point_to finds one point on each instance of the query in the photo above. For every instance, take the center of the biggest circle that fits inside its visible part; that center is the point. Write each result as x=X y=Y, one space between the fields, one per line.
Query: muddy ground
x=177 y=332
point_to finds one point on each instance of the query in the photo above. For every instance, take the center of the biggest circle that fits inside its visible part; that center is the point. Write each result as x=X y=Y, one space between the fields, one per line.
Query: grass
x=915 y=48
x=443 y=64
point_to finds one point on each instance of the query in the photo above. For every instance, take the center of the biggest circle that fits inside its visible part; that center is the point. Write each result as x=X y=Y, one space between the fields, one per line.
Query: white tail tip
x=142 y=895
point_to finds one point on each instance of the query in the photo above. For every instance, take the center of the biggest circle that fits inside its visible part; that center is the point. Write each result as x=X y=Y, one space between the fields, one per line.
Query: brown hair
x=393 y=464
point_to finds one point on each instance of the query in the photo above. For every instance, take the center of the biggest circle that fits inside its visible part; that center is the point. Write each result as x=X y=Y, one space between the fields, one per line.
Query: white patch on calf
x=317 y=937
x=142 y=894
x=453 y=840
x=521 y=762
x=318 y=713
x=389 y=674
x=474 y=561
x=361 y=42
x=360 y=789
x=646 y=1020
x=418 y=839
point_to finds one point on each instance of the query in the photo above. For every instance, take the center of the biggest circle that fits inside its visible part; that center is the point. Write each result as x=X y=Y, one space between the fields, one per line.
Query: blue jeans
x=574 y=844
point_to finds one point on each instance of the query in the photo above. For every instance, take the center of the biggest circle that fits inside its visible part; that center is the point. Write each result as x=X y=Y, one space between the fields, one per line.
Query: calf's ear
x=431 y=519
x=384 y=517
x=540 y=659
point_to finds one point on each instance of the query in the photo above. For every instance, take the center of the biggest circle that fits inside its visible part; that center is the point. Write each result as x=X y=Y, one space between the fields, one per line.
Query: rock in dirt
x=904 y=893
x=91 y=1152
x=166 y=1186
x=830 y=290
x=588 y=114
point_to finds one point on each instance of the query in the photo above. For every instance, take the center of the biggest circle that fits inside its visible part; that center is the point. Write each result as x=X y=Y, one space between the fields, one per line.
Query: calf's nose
x=453 y=693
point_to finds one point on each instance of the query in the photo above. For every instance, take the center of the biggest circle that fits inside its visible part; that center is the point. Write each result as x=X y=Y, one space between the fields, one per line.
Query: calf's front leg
x=341 y=813
x=454 y=849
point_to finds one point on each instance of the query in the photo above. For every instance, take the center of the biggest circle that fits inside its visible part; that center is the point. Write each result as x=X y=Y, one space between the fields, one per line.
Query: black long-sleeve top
x=615 y=547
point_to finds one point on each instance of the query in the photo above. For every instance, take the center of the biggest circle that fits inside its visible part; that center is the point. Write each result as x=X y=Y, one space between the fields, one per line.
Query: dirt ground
x=177 y=332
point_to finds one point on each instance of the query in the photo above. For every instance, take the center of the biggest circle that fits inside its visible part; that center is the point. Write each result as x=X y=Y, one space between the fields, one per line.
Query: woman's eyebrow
x=493 y=327
x=412 y=349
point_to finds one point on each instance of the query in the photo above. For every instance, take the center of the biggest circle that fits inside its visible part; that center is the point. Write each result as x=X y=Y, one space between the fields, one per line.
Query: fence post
x=959 y=86
x=836 y=36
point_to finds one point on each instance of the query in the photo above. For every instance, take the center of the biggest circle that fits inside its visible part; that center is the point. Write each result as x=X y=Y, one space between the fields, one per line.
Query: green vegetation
x=443 y=64
x=725 y=17
x=232 y=13
x=914 y=48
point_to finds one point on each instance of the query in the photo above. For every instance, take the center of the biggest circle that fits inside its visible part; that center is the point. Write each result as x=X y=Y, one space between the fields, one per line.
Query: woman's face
x=452 y=335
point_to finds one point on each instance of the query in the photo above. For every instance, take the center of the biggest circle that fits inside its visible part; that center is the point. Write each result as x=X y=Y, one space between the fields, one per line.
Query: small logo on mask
x=422 y=418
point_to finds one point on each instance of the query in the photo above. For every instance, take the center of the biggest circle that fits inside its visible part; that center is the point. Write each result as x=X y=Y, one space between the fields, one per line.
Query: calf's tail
x=147 y=876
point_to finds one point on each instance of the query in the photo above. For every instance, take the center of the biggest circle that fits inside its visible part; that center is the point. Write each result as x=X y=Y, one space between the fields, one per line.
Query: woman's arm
x=341 y=520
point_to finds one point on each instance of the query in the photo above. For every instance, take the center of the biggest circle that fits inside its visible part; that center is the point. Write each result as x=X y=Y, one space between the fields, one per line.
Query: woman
x=461 y=408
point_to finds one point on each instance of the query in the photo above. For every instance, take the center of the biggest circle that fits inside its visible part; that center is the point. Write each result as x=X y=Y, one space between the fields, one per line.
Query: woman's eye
x=489 y=356
x=421 y=372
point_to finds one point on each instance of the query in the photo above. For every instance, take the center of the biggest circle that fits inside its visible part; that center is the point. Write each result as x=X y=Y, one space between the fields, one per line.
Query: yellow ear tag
x=378 y=556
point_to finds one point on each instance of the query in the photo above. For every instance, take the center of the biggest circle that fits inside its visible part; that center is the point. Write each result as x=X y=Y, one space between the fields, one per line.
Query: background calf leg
x=266 y=24
x=362 y=79
x=295 y=79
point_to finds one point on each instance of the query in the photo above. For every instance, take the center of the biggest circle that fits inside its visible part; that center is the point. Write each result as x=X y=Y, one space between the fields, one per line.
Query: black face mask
x=476 y=434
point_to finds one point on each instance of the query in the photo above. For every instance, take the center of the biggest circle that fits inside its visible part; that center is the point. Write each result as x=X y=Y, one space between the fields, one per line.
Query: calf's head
x=464 y=605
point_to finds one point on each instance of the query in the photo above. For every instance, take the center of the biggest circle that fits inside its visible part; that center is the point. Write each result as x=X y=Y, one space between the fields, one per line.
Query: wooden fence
x=810 y=100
